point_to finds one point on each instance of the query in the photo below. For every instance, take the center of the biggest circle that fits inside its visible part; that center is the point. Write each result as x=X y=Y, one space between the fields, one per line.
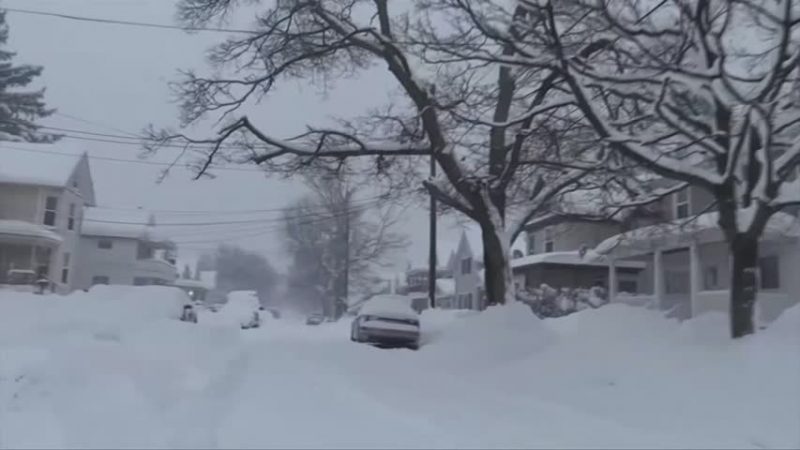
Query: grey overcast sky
x=116 y=77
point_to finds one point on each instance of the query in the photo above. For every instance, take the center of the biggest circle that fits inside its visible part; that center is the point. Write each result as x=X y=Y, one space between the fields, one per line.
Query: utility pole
x=346 y=280
x=432 y=248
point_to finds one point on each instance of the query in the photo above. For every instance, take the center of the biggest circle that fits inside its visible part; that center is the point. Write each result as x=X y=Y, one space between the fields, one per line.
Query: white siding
x=119 y=263
x=71 y=238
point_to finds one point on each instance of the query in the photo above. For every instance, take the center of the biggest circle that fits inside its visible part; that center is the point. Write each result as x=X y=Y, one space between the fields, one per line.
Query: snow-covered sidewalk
x=90 y=370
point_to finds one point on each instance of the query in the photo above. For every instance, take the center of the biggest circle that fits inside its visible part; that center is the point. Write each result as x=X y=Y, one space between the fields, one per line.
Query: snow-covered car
x=315 y=319
x=387 y=320
x=243 y=309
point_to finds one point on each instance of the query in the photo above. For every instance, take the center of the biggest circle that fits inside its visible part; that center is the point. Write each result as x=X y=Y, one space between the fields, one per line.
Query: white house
x=43 y=191
x=123 y=248
x=688 y=266
x=464 y=289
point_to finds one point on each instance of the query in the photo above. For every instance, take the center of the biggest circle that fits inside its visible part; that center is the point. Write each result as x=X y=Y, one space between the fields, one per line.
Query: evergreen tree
x=19 y=108
x=187 y=272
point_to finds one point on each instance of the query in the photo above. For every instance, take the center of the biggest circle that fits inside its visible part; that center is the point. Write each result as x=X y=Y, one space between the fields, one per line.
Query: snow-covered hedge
x=547 y=301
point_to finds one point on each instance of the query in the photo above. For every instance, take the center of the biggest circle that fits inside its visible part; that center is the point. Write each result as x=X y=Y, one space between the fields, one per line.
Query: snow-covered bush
x=546 y=301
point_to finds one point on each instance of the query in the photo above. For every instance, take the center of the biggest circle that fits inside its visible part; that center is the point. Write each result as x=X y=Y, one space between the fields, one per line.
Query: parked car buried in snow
x=315 y=319
x=243 y=309
x=387 y=320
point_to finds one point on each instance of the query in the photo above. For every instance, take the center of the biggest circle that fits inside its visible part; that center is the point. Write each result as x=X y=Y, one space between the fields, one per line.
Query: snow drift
x=114 y=368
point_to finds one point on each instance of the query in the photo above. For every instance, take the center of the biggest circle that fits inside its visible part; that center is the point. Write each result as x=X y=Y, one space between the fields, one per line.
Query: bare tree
x=701 y=91
x=478 y=123
x=336 y=241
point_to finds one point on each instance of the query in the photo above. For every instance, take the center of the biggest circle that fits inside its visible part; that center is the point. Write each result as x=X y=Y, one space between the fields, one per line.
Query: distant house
x=123 y=248
x=44 y=189
x=466 y=271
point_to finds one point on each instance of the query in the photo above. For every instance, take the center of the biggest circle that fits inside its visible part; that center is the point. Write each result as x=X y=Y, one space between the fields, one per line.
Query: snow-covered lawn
x=113 y=368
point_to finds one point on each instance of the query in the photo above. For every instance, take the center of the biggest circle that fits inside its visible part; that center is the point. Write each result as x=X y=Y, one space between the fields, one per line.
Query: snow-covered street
x=89 y=371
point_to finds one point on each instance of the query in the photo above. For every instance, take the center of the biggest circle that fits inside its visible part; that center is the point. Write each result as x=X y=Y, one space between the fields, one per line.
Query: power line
x=123 y=160
x=127 y=22
x=95 y=123
x=319 y=215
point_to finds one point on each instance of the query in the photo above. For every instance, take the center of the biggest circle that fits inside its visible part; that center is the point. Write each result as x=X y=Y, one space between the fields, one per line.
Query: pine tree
x=187 y=272
x=19 y=108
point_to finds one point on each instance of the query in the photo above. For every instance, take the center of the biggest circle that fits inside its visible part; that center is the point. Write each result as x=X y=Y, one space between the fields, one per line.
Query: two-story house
x=467 y=278
x=687 y=261
x=43 y=192
x=556 y=256
x=124 y=248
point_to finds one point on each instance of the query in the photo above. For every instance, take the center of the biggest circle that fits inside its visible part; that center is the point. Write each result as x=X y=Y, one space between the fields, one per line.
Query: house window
x=711 y=278
x=71 y=217
x=549 y=244
x=105 y=244
x=99 y=279
x=770 y=272
x=627 y=286
x=144 y=252
x=65 y=269
x=682 y=204
x=531 y=243
x=466 y=265
x=50 y=207
x=468 y=301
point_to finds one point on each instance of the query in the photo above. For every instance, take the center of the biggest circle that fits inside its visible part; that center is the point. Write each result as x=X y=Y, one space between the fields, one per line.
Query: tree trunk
x=744 y=284
x=498 y=278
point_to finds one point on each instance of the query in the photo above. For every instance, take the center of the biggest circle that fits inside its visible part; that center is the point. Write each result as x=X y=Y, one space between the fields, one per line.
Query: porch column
x=694 y=276
x=658 y=278
x=612 y=279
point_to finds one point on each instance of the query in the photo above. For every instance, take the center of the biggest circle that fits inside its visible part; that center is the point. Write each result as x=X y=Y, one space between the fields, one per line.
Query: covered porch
x=26 y=249
x=688 y=267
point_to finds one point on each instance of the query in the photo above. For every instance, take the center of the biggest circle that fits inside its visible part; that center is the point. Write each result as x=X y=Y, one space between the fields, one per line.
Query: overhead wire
x=126 y=22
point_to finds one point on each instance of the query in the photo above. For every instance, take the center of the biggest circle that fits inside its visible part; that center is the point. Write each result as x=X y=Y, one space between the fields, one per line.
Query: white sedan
x=387 y=320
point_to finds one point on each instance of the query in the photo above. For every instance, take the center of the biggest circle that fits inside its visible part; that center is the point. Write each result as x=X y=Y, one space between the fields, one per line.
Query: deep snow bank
x=113 y=368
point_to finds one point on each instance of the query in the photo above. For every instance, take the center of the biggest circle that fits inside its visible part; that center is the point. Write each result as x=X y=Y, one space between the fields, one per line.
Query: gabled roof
x=38 y=164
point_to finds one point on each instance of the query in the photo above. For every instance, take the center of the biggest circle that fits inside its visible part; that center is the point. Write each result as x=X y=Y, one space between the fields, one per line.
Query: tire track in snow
x=296 y=401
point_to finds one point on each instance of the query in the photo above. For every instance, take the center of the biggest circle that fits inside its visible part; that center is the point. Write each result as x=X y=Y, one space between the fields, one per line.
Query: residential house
x=123 y=248
x=44 y=189
x=673 y=257
x=466 y=269
x=557 y=257
x=687 y=261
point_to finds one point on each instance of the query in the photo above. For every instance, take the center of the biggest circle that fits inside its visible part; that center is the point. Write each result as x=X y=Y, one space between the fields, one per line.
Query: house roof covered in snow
x=573 y=258
x=678 y=232
x=21 y=229
x=137 y=224
x=38 y=164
